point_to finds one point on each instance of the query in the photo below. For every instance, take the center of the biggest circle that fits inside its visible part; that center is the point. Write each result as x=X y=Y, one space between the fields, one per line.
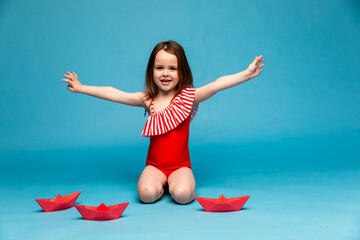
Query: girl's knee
x=182 y=195
x=148 y=194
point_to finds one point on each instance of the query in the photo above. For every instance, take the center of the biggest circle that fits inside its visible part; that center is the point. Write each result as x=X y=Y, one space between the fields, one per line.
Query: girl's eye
x=171 y=68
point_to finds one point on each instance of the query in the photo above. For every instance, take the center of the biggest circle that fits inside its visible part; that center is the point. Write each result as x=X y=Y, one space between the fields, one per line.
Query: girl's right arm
x=107 y=93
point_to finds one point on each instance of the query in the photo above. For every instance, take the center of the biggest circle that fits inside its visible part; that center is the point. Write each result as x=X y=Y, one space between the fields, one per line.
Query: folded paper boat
x=222 y=204
x=102 y=212
x=58 y=203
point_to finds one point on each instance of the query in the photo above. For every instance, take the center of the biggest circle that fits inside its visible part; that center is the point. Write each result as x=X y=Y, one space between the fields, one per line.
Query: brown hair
x=184 y=72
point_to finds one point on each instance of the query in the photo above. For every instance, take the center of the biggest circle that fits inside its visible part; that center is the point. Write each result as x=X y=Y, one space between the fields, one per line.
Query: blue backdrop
x=306 y=101
x=289 y=138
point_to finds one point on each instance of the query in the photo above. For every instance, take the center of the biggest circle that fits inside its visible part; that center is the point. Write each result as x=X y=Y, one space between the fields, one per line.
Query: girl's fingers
x=259 y=59
x=65 y=80
x=71 y=77
x=69 y=73
x=261 y=65
x=74 y=74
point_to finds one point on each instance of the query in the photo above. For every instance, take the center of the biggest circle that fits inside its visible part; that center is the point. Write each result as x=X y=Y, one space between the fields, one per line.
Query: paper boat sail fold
x=222 y=204
x=59 y=202
x=102 y=212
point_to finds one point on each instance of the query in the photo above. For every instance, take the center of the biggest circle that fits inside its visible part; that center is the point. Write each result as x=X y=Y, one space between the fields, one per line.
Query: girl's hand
x=74 y=84
x=254 y=68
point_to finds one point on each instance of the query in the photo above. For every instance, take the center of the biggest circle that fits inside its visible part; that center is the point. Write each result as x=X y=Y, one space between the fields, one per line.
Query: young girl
x=172 y=102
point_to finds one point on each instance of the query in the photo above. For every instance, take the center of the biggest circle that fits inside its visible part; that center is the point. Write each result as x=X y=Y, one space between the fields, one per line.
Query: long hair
x=184 y=72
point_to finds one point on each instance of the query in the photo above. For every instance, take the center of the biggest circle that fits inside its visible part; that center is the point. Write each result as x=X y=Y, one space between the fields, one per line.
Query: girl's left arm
x=209 y=90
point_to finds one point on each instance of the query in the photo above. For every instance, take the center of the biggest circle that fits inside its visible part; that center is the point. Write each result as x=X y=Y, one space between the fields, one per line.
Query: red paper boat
x=58 y=203
x=222 y=204
x=102 y=212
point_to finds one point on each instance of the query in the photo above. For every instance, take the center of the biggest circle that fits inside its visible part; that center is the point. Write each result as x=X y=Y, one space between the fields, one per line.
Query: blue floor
x=284 y=203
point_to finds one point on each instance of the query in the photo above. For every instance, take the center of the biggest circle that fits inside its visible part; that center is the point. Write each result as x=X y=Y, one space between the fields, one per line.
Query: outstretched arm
x=107 y=93
x=209 y=90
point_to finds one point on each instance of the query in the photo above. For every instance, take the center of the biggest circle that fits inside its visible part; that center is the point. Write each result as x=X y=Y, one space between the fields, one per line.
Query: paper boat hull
x=222 y=204
x=91 y=213
x=50 y=207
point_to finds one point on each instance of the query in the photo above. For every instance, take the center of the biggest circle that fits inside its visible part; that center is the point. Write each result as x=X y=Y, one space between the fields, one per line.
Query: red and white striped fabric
x=169 y=118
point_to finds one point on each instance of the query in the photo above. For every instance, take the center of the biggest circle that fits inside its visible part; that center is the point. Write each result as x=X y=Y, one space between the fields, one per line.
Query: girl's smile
x=166 y=75
x=165 y=81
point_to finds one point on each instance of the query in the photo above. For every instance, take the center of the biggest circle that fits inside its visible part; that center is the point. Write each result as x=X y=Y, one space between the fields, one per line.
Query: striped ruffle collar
x=170 y=117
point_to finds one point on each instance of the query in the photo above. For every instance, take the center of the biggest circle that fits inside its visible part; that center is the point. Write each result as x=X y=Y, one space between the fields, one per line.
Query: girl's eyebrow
x=160 y=65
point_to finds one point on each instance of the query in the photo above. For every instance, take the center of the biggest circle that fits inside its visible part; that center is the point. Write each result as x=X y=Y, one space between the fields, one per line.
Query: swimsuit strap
x=152 y=106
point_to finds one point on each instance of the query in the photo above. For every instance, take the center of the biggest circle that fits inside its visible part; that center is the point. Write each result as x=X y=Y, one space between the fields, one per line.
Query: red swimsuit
x=168 y=130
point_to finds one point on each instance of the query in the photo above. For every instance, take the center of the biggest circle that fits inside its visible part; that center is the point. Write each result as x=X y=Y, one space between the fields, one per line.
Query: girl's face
x=166 y=71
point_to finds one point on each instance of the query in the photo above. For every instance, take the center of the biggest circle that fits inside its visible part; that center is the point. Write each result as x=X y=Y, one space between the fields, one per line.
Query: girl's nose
x=165 y=72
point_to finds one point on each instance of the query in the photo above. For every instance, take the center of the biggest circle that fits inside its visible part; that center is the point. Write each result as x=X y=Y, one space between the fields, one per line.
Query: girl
x=172 y=102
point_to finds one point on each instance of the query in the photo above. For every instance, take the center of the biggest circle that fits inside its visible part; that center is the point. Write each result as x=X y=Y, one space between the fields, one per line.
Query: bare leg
x=151 y=184
x=182 y=185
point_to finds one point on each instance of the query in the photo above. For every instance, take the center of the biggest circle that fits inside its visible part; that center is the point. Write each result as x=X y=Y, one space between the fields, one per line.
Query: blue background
x=288 y=135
